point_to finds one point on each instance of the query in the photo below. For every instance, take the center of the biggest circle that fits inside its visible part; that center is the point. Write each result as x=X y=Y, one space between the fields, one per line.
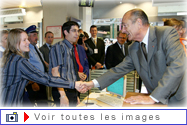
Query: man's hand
x=35 y=87
x=64 y=102
x=84 y=46
x=140 y=99
x=98 y=65
x=83 y=87
x=82 y=76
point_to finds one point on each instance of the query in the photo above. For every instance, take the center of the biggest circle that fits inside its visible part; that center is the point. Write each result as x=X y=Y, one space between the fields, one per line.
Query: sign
x=86 y=3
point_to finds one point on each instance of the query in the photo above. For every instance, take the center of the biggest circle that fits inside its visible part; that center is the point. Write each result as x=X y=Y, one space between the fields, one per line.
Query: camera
x=80 y=39
x=12 y=117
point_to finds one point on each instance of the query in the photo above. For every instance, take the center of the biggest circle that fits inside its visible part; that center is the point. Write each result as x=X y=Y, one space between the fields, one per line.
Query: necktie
x=122 y=49
x=77 y=59
x=75 y=66
x=49 y=46
x=144 y=50
x=45 y=68
x=95 y=42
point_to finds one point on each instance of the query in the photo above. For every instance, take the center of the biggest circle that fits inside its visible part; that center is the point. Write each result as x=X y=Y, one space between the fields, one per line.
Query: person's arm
x=63 y=98
x=90 y=58
x=109 y=58
x=89 y=50
x=102 y=52
x=86 y=64
x=31 y=73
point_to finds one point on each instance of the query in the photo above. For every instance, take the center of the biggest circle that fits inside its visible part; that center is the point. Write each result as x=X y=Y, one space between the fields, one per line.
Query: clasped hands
x=83 y=87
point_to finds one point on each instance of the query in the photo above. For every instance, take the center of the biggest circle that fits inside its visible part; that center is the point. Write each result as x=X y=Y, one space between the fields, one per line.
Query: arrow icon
x=25 y=116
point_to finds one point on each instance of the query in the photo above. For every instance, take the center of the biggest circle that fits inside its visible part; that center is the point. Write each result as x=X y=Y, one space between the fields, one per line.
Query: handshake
x=83 y=87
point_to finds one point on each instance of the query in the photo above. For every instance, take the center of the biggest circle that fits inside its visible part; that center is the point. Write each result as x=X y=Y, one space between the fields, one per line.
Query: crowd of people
x=157 y=53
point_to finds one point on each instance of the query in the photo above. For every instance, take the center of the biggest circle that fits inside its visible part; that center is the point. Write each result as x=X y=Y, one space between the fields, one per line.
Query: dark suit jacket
x=83 y=59
x=45 y=51
x=94 y=58
x=163 y=73
x=114 y=55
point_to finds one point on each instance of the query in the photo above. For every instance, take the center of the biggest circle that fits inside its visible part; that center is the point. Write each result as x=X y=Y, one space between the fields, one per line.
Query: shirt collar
x=94 y=38
x=145 y=39
x=47 y=44
x=31 y=46
x=119 y=45
x=2 y=48
x=68 y=43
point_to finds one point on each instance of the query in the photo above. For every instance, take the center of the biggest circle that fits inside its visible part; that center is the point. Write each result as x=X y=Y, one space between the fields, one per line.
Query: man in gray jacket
x=161 y=66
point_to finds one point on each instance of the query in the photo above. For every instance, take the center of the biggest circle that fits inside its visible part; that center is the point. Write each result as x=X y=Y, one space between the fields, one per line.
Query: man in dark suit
x=49 y=36
x=96 y=60
x=116 y=52
x=161 y=66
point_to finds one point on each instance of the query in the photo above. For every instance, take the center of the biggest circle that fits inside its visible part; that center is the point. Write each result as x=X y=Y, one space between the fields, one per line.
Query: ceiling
x=4 y=4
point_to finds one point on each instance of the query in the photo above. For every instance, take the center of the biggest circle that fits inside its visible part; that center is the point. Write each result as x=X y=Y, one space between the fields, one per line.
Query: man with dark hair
x=49 y=36
x=157 y=56
x=63 y=64
x=117 y=52
x=96 y=60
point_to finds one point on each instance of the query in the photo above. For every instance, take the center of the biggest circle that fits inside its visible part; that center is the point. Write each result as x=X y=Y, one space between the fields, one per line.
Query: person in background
x=178 y=25
x=117 y=52
x=3 y=43
x=96 y=60
x=184 y=34
x=183 y=38
x=49 y=37
x=86 y=36
x=63 y=64
x=157 y=56
x=18 y=71
x=81 y=57
x=81 y=42
x=174 y=23
x=37 y=92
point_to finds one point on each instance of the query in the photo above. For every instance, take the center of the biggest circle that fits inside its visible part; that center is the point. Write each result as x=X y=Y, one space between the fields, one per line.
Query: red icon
x=25 y=116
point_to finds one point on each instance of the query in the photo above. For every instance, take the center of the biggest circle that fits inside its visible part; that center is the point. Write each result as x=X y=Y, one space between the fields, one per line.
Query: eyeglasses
x=74 y=30
x=122 y=37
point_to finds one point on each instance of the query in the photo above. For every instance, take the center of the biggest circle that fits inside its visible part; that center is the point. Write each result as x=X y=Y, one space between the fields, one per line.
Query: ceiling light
x=120 y=2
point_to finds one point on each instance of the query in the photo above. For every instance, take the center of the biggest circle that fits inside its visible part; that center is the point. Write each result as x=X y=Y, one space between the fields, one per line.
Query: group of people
x=155 y=53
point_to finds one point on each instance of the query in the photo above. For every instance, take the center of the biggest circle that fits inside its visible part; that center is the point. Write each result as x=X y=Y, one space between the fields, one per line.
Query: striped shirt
x=17 y=72
x=61 y=55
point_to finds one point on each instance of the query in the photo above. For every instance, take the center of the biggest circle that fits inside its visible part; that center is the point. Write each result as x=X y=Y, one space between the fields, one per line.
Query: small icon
x=12 y=117
x=25 y=116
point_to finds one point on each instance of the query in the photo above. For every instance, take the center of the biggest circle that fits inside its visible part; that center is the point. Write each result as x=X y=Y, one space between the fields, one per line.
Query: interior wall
x=57 y=12
x=100 y=11
x=106 y=10
x=33 y=17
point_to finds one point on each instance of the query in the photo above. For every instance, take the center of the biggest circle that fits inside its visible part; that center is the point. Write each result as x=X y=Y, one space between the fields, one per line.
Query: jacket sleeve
x=116 y=73
x=102 y=52
x=29 y=72
x=109 y=58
